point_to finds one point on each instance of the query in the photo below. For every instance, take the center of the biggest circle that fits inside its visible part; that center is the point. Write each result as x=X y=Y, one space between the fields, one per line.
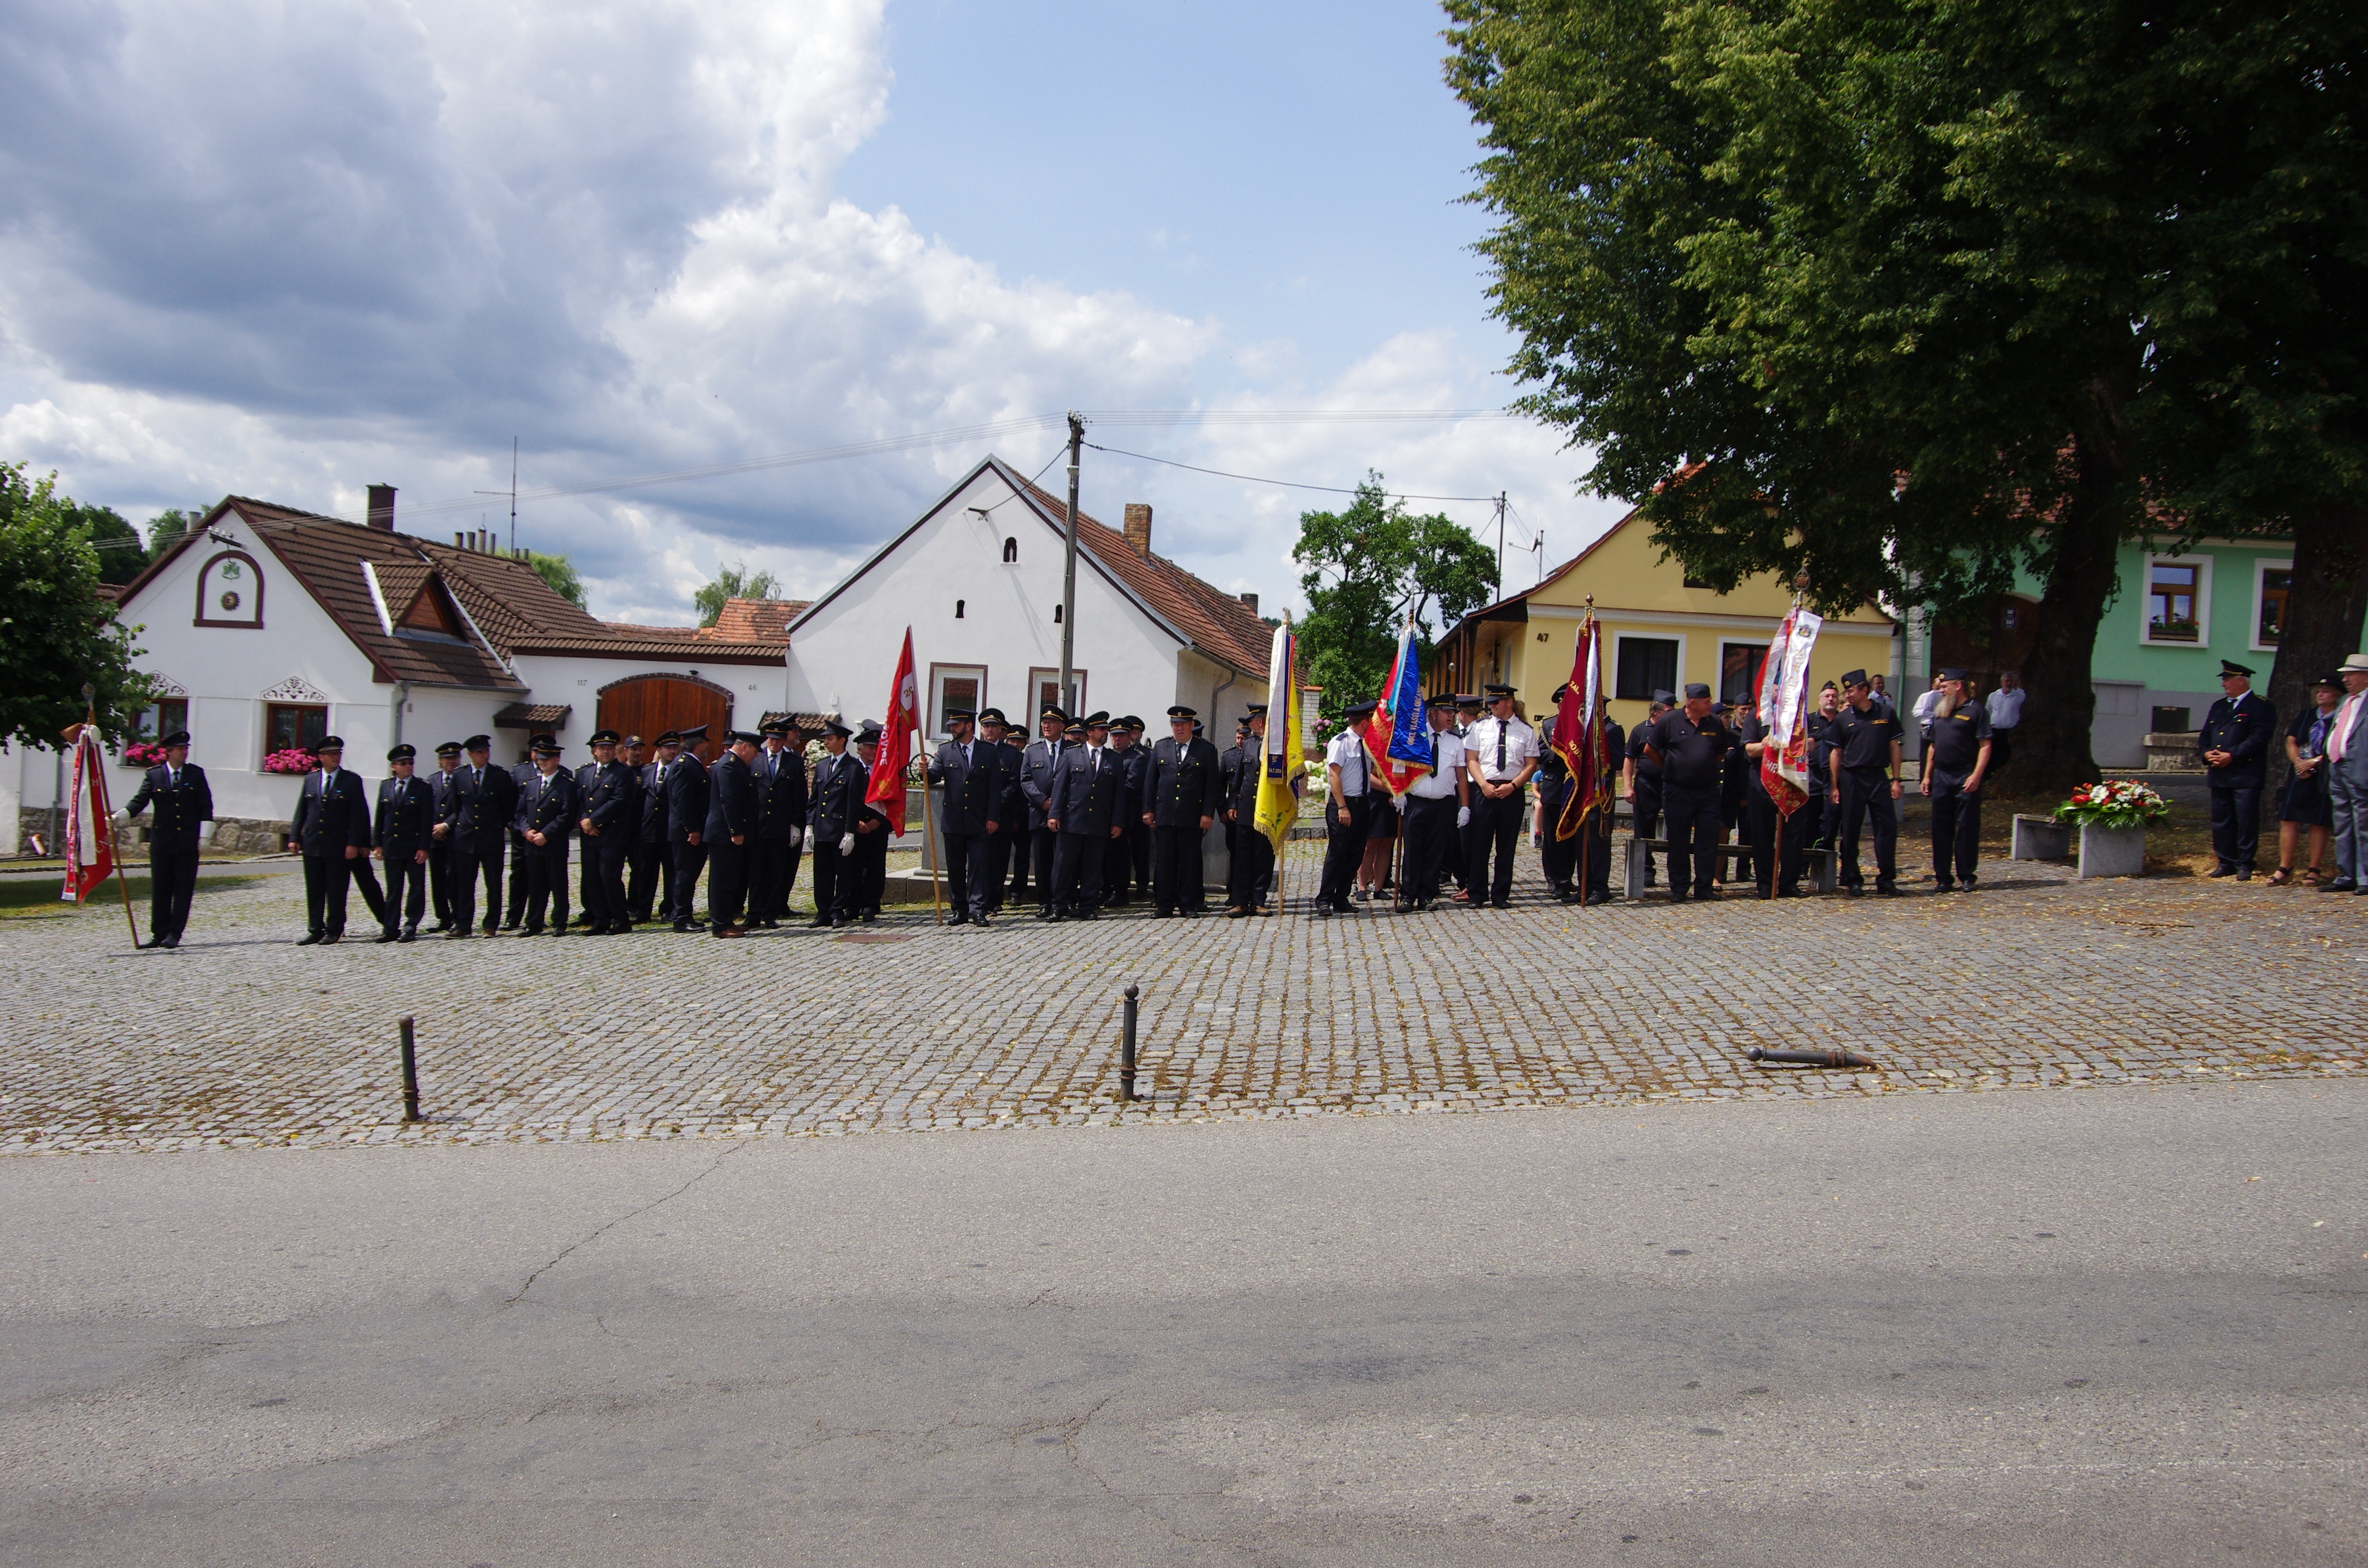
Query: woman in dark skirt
x=2307 y=805
x=1380 y=843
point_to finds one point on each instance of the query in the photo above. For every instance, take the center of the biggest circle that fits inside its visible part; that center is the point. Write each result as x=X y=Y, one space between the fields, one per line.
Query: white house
x=269 y=627
x=978 y=578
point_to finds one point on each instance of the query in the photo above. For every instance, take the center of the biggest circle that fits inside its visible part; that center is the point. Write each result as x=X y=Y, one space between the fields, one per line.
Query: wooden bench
x=1823 y=864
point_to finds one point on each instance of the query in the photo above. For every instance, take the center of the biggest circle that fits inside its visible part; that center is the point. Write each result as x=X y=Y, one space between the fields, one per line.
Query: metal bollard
x=1126 y=1046
x=410 y=1074
x=1810 y=1057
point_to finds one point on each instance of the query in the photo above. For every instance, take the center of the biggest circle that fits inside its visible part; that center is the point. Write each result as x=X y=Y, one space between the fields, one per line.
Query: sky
x=286 y=252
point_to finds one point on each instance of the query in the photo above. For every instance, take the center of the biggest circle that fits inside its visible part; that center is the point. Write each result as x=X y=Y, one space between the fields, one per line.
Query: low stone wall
x=2172 y=754
x=231 y=835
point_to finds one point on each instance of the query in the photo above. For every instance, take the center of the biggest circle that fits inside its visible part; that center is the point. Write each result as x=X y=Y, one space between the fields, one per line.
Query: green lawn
x=35 y=897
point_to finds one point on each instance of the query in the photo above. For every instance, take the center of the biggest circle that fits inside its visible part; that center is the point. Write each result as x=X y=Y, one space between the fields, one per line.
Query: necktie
x=1501 y=745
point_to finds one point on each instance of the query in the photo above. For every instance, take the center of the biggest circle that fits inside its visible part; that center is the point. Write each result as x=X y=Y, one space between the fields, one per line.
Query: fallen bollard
x=1809 y=1057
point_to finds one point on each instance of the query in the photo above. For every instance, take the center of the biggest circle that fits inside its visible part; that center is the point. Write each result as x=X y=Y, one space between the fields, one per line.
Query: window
x=2179 y=600
x=1011 y=552
x=1641 y=665
x=293 y=726
x=1046 y=685
x=958 y=609
x=954 y=686
x=1738 y=672
x=170 y=714
x=2273 y=581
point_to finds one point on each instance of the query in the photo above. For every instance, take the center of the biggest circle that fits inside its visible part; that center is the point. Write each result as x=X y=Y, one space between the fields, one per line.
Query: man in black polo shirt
x=1642 y=780
x=1954 y=762
x=1864 y=758
x=1690 y=745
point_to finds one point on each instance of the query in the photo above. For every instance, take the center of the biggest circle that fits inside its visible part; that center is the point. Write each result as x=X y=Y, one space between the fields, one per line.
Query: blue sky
x=645 y=238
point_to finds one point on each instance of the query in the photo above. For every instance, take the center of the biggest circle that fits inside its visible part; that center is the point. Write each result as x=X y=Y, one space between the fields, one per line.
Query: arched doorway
x=648 y=705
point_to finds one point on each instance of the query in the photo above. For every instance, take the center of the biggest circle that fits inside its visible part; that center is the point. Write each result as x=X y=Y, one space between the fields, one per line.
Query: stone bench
x=2097 y=851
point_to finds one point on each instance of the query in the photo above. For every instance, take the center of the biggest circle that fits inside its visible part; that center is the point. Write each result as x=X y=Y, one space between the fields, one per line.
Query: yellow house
x=1659 y=632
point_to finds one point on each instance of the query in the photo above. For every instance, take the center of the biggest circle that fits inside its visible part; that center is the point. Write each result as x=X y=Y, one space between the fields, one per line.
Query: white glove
x=797 y=836
x=1464 y=816
x=847 y=844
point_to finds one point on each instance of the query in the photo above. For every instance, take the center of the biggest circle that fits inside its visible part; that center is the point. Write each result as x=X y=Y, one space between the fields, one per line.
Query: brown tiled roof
x=532 y=716
x=754 y=620
x=1219 y=624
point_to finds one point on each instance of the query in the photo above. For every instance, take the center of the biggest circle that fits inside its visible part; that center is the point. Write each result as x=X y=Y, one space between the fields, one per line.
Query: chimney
x=1138 y=527
x=1251 y=601
x=382 y=507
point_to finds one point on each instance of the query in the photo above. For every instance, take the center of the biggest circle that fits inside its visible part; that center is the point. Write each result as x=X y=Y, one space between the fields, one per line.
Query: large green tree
x=56 y=634
x=1367 y=569
x=733 y=582
x=558 y=575
x=120 y=553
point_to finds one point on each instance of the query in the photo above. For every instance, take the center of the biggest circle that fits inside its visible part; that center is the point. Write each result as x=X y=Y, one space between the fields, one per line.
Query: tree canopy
x=558 y=574
x=733 y=582
x=1368 y=568
x=56 y=633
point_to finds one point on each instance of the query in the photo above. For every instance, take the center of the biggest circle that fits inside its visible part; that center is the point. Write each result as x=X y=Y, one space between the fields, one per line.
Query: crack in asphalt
x=562 y=1255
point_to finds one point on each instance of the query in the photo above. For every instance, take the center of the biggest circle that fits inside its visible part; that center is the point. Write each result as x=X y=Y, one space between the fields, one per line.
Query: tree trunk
x=2325 y=606
x=2052 y=751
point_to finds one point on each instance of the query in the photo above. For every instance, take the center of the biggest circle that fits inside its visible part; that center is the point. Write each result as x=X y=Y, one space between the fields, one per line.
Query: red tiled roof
x=532 y=716
x=754 y=620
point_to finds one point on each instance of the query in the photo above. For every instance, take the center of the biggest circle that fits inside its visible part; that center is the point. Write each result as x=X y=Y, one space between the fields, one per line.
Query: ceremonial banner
x=89 y=846
x=903 y=721
x=1783 y=707
x=1397 y=737
x=1281 y=759
x=1578 y=732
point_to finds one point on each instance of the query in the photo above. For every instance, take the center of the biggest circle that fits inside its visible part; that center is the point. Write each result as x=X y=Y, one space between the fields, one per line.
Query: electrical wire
x=1284 y=484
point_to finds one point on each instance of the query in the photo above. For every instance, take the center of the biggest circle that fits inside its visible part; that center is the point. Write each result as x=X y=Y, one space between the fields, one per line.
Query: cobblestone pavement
x=240 y=1038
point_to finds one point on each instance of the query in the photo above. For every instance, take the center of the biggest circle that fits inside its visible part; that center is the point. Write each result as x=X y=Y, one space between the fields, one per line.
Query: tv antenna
x=511 y=493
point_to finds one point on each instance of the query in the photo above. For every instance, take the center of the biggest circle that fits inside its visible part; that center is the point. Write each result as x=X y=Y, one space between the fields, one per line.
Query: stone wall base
x=231 y=835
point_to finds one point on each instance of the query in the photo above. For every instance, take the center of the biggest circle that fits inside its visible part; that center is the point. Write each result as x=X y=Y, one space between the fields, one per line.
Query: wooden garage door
x=646 y=705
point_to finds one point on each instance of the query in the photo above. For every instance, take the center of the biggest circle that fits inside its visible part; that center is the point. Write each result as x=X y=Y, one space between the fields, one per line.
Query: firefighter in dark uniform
x=2235 y=742
x=1557 y=857
x=1468 y=708
x=968 y=773
x=782 y=804
x=1184 y=793
x=183 y=800
x=1642 y=785
x=1248 y=873
x=1778 y=842
x=1036 y=767
x=547 y=813
x=440 y=842
x=482 y=800
x=399 y=835
x=1082 y=812
x=522 y=775
x=1014 y=847
x=1735 y=793
x=610 y=821
x=730 y=835
x=331 y=830
x=1691 y=746
x=653 y=865
x=1864 y=759
x=1595 y=835
x=686 y=830
x=863 y=877
x=1128 y=869
x=1824 y=799
x=838 y=785
x=1956 y=759
x=1011 y=805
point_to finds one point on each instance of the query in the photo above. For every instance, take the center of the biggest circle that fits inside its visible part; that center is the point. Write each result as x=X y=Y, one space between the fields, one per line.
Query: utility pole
x=1069 y=577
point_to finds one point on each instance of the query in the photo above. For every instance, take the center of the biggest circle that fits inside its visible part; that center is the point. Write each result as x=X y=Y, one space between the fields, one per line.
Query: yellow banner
x=1281 y=758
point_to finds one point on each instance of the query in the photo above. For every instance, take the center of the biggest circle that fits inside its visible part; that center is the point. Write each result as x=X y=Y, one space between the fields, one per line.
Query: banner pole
x=930 y=838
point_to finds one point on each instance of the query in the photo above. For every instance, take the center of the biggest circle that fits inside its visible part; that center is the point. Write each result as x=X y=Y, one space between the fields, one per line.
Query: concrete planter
x=2111 y=851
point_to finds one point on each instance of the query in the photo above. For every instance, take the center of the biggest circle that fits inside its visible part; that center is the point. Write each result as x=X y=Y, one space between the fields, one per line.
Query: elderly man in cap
x=610 y=820
x=968 y=774
x=1182 y=792
x=1037 y=766
x=548 y=809
x=1692 y=746
x=1083 y=813
x=731 y=831
x=2346 y=778
x=178 y=790
x=478 y=808
x=331 y=830
x=439 y=834
x=839 y=782
x=1501 y=754
x=399 y=835
x=2235 y=742
x=1863 y=758
x=1956 y=760
x=781 y=805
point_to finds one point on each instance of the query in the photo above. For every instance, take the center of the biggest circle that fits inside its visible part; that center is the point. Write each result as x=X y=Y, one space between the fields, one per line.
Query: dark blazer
x=1135 y=781
x=547 y=806
x=440 y=799
x=1036 y=765
x=781 y=802
x=686 y=798
x=973 y=790
x=1084 y=796
x=840 y=783
x=326 y=821
x=731 y=801
x=1183 y=784
x=652 y=828
x=180 y=807
x=406 y=811
x=524 y=773
x=480 y=809
x=613 y=801
x=2243 y=729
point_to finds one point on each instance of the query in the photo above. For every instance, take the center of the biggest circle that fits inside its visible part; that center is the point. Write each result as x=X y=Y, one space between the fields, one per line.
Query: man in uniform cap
x=1229 y=774
x=1956 y=759
x=548 y=809
x=588 y=868
x=1082 y=811
x=399 y=835
x=730 y=830
x=182 y=798
x=1011 y=805
x=331 y=830
x=482 y=801
x=1182 y=793
x=686 y=830
x=439 y=834
x=2234 y=744
x=1348 y=809
x=1640 y=783
x=1501 y=754
x=1037 y=765
x=1692 y=746
x=610 y=821
x=839 y=784
x=1436 y=806
x=782 y=806
x=1863 y=738
x=1129 y=866
x=522 y=775
x=1249 y=878
x=650 y=894
x=863 y=881
x=968 y=773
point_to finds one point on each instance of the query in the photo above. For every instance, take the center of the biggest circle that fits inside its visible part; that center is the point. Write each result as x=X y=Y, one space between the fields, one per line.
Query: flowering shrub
x=292 y=760
x=143 y=754
x=2117 y=803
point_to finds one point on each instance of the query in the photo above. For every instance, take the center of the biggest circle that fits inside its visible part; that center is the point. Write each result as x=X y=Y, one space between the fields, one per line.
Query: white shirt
x=1347 y=753
x=1520 y=743
x=2340 y=729
x=2006 y=708
x=1926 y=704
x=1448 y=746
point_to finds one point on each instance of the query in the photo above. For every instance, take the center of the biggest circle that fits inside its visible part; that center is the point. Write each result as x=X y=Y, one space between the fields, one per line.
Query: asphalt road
x=2061 y=1327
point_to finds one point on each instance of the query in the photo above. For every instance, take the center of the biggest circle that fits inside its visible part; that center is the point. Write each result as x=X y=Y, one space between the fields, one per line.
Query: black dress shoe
x=331 y=937
x=308 y=938
x=2341 y=884
x=410 y=936
x=1945 y=887
x=1889 y=889
x=171 y=942
x=154 y=942
x=388 y=937
x=959 y=917
x=458 y=934
x=2244 y=873
x=819 y=923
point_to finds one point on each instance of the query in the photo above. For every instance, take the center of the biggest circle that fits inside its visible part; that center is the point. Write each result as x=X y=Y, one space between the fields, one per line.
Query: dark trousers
x=982 y=871
x=440 y=859
x=1557 y=857
x=1825 y=811
x=1078 y=862
x=1176 y=868
x=1426 y=827
x=772 y=872
x=1646 y=819
x=1345 y=831
x=682 y=888
x=1777 y=842
x=468 y=867
x=2001 y=748
x=998 y=864
x=590 y=906
x=519 y=855
x=727 y=882
x=863 y=875
x=653 y=869
x=1693 y=818
x=1452 y=859
x=1022 y=851
x=172 y=880
x=1496 y=829
x=1866 y=792
x=325 y=893
x=545 y=880
x=827 y=862
x=963 y=857
x=405 y=876
x=1956 y=829
x=1253 y=864
x=1595 y=864
x=1140 y=870
x=1043 y=849
x=2235 y=823
x=604 y=882
x=373 y=899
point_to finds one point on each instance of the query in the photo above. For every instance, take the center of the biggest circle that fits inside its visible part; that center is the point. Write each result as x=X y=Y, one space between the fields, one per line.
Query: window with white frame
x=2272 y=581
x=960 y=687
x=1641 y=665
x=2178 y=604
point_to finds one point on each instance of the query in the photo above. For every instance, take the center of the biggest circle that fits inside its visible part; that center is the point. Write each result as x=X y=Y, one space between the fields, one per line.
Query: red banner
x=1578 y=734
x=904 y=722
x=89 y=837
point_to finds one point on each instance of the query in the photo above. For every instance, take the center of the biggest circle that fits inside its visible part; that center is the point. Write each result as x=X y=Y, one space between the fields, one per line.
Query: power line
x=1285 y=484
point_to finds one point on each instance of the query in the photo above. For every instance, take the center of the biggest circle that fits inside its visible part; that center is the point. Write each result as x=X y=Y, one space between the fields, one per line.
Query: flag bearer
x=1501 y=754
x=1348 y=811
x=863 y=873
x=1249 y=880
x=1557 y=857
x=1436 y=806
x=1954 y=765
x=1598 y=852
x=183 y=800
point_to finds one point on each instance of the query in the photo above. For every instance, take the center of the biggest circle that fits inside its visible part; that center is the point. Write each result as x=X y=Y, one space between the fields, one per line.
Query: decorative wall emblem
x=229 y=592
x=295 y=688
x=166 y=685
